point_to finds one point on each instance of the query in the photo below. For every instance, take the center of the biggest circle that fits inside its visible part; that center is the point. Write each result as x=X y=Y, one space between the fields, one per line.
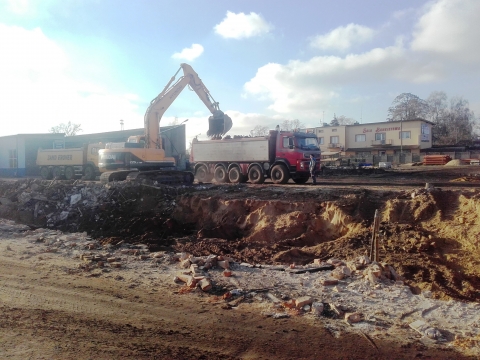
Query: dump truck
x=69 y=163
x=280 y=156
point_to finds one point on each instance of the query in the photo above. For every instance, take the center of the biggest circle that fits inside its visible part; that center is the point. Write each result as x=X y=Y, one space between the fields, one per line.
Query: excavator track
x=165 y=177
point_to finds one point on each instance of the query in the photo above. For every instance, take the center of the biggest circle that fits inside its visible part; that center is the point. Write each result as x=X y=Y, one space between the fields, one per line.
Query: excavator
x=142 y=156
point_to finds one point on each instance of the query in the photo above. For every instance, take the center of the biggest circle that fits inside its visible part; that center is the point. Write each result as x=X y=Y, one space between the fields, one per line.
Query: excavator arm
x=219 y=123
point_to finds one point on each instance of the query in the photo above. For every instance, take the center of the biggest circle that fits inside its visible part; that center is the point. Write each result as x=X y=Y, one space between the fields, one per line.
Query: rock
x=328 y=282
x=335 y=262
x=353 y=317
x=302 y=301
x=227 y=273
x=63 y=215
x=185 y=264
x=246 y=265
x=205 y=285
x=116 y=264
x=193 y=268
x=433 y=333
x=306 y=308
x=75 y=198
x=223 y=264
x=317 y=261
x=337 y=274
x=419 y=326
x=317 y=308
x=187 y=279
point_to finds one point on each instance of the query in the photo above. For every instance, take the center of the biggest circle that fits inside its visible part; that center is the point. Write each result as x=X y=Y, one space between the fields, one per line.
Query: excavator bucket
x=218 y=124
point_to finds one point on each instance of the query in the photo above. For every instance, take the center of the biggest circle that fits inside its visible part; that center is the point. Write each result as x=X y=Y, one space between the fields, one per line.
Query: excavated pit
x=432 y=237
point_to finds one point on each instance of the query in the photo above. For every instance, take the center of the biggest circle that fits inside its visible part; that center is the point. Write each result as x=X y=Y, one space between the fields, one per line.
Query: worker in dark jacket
x=312 y=169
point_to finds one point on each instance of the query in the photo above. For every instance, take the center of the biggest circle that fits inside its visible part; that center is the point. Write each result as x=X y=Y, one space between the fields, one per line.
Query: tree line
x=455 y=123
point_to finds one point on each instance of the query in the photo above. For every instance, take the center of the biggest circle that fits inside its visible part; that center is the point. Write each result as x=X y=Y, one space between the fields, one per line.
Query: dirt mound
x=430 y=236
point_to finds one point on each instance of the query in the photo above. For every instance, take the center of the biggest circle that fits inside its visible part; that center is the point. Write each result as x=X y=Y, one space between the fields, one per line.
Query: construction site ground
x=94 y=271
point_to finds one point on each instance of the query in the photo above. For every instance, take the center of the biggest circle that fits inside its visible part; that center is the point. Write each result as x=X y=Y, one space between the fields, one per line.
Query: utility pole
x=121 y=124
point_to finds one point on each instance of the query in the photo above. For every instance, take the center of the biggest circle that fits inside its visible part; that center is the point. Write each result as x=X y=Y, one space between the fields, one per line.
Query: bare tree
x=290 y=125
x=286 y=125
x=407 y=106
x=454 y=122
x=343 y=120
x=297 y=124
x=68 y=129
x=259 y=130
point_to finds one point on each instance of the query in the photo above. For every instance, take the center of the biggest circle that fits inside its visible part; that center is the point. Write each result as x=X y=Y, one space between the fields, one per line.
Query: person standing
x=312 y=167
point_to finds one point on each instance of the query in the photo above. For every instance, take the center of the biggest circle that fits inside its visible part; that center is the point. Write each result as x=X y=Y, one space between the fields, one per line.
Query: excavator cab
x=218 y=124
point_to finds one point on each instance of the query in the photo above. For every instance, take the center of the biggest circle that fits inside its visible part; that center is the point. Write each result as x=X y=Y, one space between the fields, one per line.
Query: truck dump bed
x=60 y=157
x=231 y=150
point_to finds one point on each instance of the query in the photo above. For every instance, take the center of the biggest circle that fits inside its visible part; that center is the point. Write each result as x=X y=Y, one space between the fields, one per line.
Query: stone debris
x=304 y=300
x=370 y=296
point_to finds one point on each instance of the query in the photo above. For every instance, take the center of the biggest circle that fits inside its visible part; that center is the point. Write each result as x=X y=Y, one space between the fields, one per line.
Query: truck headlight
x=302 y=165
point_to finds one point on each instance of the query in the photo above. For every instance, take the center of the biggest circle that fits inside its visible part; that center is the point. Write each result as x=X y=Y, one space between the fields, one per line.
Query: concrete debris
x=372 y=299
x=353 y=317
x=302 y=301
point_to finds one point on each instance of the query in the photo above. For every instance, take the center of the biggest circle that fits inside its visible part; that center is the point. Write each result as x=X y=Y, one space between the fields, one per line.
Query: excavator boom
x=219 y=123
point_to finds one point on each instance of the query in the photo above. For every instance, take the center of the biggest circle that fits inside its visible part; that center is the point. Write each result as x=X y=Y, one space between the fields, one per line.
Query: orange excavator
x=143 y=156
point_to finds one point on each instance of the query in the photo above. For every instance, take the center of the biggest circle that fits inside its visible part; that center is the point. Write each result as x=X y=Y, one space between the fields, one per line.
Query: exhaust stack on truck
x=282 y=155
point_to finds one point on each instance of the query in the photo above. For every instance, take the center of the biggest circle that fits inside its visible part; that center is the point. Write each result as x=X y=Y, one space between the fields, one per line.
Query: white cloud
x=19 y=6
x=343 y=38
x=239 y=26
x=450 y=28
x=38 y=93
x=303 y=86
x=190 y=53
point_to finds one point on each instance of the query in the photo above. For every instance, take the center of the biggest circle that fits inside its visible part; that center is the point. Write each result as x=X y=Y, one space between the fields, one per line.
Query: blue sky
x=94 y=62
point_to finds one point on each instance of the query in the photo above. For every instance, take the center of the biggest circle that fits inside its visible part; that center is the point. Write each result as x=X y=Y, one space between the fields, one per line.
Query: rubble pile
x=353 y=294
x=115 y=209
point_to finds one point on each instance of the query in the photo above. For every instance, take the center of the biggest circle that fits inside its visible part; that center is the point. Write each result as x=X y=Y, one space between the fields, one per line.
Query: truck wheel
x=202 y=174
x=280 y=174
x=89 y=173
x=221 y=175
x=234 y=175
x=255 y=175
x=57 y=172
x=46 y=173
x=69 y=173
x=301 y=180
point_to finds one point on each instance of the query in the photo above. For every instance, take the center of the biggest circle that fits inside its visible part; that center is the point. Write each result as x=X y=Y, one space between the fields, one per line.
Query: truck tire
x=255 y=175
x=69 y=173
x=89 y=172
x=202 y=174
x=301 y=180
x=57 y=172
x=279 y=174
x=220 y=175
x=45 y=173
x=235 y=176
